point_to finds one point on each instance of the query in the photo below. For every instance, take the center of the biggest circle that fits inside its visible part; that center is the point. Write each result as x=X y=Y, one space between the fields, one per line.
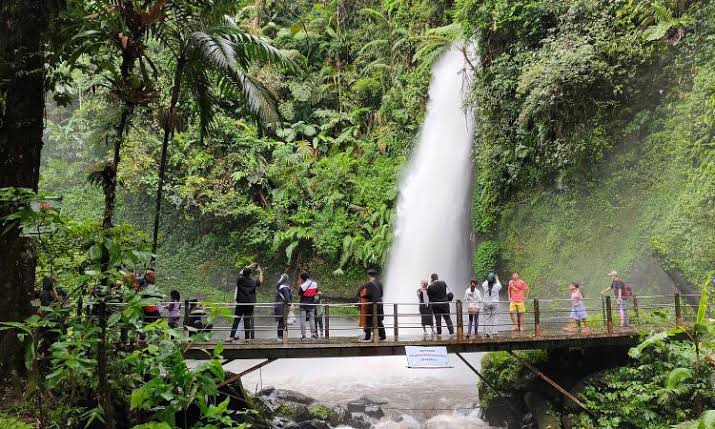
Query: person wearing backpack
x=245 y=297
x=308 y=291
x=440 y=295
x=623 y=293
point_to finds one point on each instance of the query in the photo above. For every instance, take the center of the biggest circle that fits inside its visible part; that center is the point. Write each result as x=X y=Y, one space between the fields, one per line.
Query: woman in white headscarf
x=284 y=297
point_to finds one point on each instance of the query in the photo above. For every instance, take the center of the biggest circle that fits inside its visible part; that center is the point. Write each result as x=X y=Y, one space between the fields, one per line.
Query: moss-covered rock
x=294 y=411
x=325 y=413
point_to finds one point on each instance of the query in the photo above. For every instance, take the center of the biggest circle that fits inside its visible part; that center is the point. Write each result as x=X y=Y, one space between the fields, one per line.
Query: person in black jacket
x=437 y=292
x=245 y=295
x=284 y=297
x=373 y=294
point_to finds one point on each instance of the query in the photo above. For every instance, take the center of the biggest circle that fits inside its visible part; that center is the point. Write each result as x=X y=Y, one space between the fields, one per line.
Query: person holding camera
x=245 y=297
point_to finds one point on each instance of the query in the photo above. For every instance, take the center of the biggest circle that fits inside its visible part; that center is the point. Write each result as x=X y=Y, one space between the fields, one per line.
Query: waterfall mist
x=432 y=232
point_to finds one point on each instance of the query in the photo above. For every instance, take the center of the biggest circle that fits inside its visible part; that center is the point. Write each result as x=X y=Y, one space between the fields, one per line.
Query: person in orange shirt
x=517 y=291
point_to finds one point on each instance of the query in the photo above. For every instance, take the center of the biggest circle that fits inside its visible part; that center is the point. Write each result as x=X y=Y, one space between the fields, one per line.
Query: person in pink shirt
x=517 y=291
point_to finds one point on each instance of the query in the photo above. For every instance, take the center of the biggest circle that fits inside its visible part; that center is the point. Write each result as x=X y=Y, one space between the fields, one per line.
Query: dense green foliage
x=317 y=189
x=595 y=145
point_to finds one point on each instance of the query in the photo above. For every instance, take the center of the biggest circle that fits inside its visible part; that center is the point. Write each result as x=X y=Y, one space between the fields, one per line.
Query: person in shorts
x=517 y=291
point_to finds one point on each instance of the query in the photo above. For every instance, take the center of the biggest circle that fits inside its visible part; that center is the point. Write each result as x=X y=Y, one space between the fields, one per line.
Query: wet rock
x=360 y=421
x=325 y=413
x=342 y=414
x=294 y=411
x=359 y=405
x=374 y=411
x=309 y=424
x=280 y=422
x=274 y=395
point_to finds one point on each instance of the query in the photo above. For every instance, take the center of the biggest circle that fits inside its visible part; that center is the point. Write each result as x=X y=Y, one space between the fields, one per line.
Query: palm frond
x=260 y=100
x=199 y=84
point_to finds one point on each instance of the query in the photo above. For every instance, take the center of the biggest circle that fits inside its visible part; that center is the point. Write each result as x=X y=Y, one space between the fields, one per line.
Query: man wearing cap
x=617 y=286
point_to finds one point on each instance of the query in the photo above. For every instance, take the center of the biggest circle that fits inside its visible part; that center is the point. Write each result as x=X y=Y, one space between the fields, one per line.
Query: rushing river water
x=419 y=398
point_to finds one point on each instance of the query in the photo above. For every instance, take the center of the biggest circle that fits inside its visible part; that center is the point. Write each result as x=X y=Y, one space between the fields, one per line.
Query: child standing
x=578 y=314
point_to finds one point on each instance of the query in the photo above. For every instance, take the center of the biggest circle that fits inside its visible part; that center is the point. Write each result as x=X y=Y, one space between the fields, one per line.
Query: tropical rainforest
x=197 y=136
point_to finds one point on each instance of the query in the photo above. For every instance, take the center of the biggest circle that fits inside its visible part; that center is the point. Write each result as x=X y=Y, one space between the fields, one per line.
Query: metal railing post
x=537 y=319
x=326 y=313
x=635 y=310
x=460 y=321
x=286 y=313
x=187 y=316
x=678 y=310
x=609 y=316
x=395 y=328
x=374 y=322
x=603 y=309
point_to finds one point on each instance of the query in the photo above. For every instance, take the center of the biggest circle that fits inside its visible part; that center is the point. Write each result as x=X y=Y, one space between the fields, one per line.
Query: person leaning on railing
x=623 y=293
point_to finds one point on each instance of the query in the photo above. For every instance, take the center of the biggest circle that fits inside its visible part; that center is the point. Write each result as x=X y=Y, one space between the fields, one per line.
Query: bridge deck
x=347 y=347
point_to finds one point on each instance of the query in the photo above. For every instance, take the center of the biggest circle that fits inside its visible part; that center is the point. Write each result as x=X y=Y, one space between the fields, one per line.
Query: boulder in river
x=360 y=421
x=309 y=424
x=375 y=411
x=273 y=395
x=359 y=405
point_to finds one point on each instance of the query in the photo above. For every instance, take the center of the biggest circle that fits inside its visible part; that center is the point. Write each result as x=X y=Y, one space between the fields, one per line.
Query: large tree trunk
x=110 y=172
x=169 y=124
x=22 y=24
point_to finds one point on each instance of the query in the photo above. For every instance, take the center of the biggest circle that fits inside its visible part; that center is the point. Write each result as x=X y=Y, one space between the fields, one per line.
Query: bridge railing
x=397 y=321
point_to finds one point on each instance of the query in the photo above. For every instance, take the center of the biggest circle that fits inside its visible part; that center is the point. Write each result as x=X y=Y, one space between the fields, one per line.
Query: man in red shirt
x=517 y=291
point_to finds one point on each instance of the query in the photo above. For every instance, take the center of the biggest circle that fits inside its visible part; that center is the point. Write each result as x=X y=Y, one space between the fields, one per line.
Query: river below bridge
x=442 y=398
x=416 y=398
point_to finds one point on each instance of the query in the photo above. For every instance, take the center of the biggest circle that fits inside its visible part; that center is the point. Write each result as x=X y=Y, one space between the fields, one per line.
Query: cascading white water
x=432 y=233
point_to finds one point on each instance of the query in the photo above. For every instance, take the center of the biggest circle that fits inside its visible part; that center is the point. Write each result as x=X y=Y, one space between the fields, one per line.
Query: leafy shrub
x=485 y=259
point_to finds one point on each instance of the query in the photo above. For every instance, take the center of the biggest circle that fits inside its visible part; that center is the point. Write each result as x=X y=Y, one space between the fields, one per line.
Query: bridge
x=546 y=326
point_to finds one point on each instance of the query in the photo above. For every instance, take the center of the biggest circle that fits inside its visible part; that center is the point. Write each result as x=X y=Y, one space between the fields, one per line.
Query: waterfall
x=432 y=232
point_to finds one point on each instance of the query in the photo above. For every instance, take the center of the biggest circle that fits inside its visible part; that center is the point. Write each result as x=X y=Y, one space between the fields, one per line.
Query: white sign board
x=427 y=357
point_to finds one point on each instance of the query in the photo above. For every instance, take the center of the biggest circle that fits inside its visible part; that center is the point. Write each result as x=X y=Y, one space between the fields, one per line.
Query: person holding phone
x=245 y=297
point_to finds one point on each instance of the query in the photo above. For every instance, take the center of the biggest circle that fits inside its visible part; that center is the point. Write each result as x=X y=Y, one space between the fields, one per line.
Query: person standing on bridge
x=439 y=297
x=283 y=298
x=370 y=296
x=473 y=299
x=245 y=297
x=623 y=293
x=426 y=315
x=517 y=291
x=308 y=292
x=490 y=303
x=578 y=313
